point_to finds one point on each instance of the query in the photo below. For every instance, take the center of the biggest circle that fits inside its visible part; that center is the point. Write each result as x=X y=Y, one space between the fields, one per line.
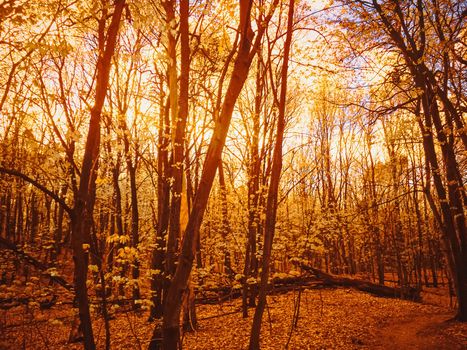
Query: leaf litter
x=328 y=319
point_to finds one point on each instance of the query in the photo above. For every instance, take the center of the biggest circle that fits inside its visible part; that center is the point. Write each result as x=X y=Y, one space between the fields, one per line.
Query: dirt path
x=420 y=332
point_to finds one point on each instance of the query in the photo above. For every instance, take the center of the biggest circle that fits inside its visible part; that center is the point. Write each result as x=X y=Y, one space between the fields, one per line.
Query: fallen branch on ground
x=408 y=293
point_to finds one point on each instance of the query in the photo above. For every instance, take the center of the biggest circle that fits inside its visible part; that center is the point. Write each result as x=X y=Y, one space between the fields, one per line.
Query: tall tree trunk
x=177 y=130
x=58 y=232
x=178 y=144
x=163 y=205
x=81 y=216
x=271 y=205
x=134 y=228
x=170 y=326
x=132 y=166
x=226 y=230
x=254 y=222
x=453 y=232
x=412 y=45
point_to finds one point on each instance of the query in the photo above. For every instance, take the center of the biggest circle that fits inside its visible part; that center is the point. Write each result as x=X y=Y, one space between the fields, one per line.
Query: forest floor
x=328 y=319
x=424 y=332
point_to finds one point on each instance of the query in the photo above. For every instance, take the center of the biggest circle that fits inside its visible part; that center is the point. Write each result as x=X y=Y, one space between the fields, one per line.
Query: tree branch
x=40 y=187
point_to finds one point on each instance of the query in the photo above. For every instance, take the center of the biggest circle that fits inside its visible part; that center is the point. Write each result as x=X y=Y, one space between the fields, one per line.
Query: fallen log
x=219 y=294
x=408 y=293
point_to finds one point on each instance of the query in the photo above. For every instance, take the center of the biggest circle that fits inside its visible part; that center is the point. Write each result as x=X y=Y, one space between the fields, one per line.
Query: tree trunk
x=134 y=228
x=81 y=216
x=163 y=205
x=171 y=331
x=226 y=230
x=451 y=196
x=178 y=130
x=271 y=205
x=254 y=221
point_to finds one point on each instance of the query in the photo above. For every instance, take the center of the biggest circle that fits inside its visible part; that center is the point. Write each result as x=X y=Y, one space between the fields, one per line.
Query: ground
x=328 y=319
x=424 y=332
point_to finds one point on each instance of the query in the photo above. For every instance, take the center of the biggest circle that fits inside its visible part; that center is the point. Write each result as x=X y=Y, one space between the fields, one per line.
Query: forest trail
x=419 y=332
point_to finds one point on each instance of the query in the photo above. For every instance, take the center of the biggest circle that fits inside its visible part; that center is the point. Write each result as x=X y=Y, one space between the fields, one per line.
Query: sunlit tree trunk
x=226 y=230
x=272 y=199
x=254 y=221
x=81 y=217
x=177 y=131
x=163 y=205
x=170 y=326
x=132 y=166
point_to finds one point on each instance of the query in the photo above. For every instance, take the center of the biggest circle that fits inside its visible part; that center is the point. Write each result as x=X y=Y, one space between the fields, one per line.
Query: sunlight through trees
x=155 y=155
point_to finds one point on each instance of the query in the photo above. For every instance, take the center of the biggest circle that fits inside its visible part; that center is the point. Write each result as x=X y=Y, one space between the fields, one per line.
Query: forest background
x=150 y=149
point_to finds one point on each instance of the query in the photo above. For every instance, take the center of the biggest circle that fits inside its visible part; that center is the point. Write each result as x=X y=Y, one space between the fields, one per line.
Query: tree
x=81 y=215
x=417 y=31
x=246 y=51
x=272 y=200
